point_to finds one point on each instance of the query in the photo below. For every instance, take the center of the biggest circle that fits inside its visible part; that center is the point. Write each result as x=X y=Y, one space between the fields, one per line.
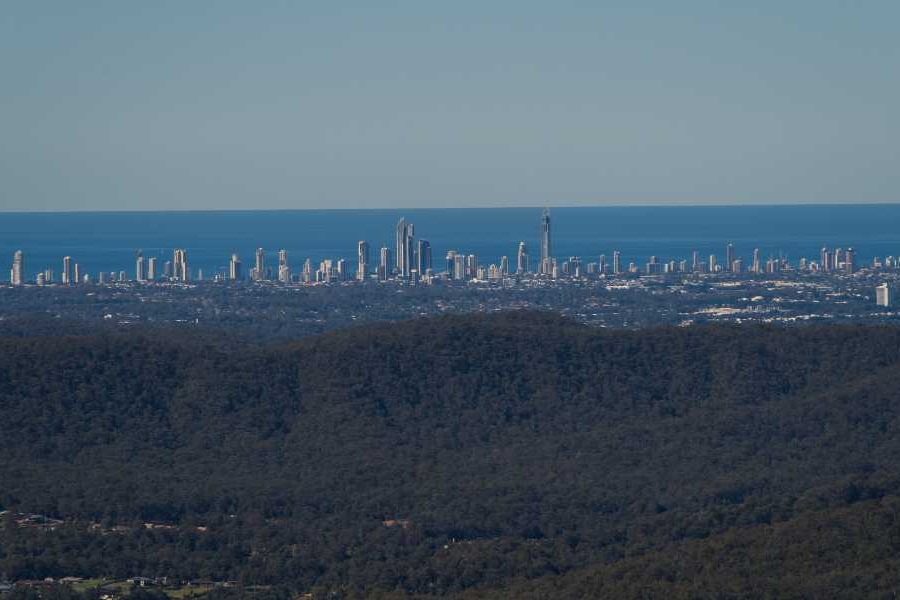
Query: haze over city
x=227 y=105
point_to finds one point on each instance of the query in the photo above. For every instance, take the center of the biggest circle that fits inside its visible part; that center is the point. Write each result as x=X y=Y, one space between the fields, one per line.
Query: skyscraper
x=179 y=261
x=850 y=260
x=234 y=268
x=67 y=271
x=617 y=262
x=522 y=259
x=546 y=246
x=77 y=274
x=362 y=260
x=284 y=270
x=152 y=272
x=405 y=247
x=423 y=257
x=259 y=271
x=139 y=273
x=755 y=267
x=471 y=266
x=883 y=295
x=17 y=273
x=729 y=257
x=459 y=266
x=504 y=266
x=451 y=262
x=384 y=266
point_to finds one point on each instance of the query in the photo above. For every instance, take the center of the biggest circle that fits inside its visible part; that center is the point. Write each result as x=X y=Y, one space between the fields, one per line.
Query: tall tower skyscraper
x=384 y=265
x=405 y=247
x=362 y=260
x=77 y=274
x=423 y=256
x=850 y=260
x=17 y=273
x=451 y=262
x=234 y=268
x=152 y=271
x=617 y=262
x=259 y=271
x=67 y=271
x=179 y=262
x=522 y=259
x=284 y=269
x=755 y=267
x=546 y=245
x=729 y=257
x=139 y=273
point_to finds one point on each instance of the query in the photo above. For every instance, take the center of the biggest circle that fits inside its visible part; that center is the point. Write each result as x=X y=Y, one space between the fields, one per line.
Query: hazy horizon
x=535 y=206
x=226 y=106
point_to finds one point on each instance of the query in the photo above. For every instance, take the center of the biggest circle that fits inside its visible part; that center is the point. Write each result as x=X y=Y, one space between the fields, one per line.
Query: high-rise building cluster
x=411 y=260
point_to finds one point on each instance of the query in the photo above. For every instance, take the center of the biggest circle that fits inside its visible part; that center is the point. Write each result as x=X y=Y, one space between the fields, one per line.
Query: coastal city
x=406 y=281
x=411 y=262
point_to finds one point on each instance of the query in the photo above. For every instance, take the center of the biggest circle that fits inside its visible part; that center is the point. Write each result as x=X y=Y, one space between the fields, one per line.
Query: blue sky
x=207 y=105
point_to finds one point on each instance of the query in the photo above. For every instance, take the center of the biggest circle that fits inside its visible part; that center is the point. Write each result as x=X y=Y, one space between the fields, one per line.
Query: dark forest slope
x=512 y=450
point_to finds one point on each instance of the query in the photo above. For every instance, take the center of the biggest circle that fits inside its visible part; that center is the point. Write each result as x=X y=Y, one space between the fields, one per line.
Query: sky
x=111 y=105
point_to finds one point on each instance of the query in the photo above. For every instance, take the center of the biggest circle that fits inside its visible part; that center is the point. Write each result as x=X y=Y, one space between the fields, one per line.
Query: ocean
x=107 y=241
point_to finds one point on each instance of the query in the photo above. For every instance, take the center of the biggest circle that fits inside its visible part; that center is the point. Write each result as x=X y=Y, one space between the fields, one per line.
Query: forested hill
x=507 y=455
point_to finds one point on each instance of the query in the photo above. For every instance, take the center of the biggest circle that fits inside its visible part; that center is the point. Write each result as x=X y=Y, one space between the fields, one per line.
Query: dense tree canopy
x=510 y=454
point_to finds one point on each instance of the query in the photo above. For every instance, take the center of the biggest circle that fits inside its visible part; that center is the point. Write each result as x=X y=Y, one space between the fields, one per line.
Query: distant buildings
x=180 y=265
x=423 y=257
x=411 y=261
x=139 y=272
x=522 y=259
x=234 y=268
x=546 y=243
x=405 y=248
x=362 y=260
x=883 y=295
x=284 y=269
x=384 y=264
x=17 y=272
x=67 y=271
x=259 y=271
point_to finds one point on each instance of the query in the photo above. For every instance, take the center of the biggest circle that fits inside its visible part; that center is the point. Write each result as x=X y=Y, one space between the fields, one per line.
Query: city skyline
x=413 y=261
